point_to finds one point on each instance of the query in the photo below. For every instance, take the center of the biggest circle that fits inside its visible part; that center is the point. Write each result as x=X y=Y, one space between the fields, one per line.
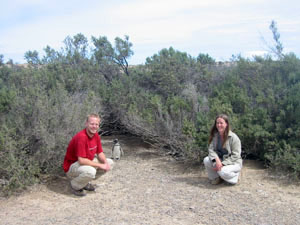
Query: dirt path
x=146 y=187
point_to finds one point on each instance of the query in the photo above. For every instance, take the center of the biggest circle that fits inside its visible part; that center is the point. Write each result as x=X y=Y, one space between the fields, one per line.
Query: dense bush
x=37 y=124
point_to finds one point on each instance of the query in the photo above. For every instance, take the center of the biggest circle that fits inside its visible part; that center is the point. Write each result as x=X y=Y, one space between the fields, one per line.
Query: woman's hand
x=219 y=165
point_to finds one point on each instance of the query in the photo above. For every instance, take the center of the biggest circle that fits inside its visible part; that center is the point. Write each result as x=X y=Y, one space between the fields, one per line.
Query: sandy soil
x=148 y=187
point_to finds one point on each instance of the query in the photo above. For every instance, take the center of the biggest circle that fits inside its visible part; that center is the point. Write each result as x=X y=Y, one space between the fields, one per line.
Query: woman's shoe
x=216 y=181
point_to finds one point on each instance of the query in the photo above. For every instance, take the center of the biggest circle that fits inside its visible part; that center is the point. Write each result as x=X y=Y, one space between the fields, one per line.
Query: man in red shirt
x=84 y=156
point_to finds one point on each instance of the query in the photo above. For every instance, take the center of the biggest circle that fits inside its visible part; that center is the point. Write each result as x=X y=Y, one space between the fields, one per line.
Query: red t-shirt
x=83 y=146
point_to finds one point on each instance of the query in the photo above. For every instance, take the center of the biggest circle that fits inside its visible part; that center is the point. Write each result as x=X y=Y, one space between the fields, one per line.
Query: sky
x=220 y=29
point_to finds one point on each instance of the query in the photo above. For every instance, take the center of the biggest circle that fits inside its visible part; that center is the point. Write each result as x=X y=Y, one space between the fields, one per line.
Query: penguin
x=117 y=150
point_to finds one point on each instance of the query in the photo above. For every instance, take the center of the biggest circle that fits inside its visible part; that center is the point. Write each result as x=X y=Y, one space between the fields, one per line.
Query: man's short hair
x=95 y=115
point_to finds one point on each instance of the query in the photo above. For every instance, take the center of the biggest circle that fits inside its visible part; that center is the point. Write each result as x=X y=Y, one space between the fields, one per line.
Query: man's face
x=92 y=126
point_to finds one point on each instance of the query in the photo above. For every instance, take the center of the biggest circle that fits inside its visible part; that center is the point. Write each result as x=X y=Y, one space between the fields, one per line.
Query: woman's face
x=221 y=125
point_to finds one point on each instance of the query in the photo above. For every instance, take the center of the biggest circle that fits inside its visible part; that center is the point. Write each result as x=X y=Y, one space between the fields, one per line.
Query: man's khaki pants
x=80 y=175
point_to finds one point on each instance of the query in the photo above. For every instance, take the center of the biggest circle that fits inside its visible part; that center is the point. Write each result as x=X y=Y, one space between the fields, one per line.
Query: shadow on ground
x=59 y=185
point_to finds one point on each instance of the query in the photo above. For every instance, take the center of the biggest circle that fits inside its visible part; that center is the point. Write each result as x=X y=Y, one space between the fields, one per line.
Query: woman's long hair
x=214 y=129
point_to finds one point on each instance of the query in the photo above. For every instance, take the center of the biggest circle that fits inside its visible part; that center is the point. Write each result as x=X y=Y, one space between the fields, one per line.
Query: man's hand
x=104 y=166
x=107 y=166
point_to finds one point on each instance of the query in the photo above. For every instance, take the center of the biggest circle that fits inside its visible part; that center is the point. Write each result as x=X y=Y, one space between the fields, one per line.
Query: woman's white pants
x=228 y=173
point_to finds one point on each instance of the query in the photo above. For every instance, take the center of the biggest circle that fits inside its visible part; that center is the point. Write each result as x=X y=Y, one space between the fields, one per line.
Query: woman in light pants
x=228 y=173
x=224 y=161
x=81 y=175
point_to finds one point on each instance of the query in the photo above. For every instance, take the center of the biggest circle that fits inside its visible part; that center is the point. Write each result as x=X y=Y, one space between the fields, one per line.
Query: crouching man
x=85 y=156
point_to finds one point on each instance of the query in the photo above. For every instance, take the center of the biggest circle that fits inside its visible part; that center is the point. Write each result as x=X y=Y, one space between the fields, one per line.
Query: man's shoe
x=80 y=192
x=216 y=181
x=89 y=187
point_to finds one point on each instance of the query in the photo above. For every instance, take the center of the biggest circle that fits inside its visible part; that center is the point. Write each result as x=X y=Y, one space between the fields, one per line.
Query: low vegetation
x=170 y=101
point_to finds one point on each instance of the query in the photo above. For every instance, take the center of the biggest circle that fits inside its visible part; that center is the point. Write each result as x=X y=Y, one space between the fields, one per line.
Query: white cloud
x=223 y=27
x=250 y=54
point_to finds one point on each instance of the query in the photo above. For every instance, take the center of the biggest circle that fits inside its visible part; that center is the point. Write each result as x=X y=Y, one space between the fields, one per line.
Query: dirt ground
x=148 y=187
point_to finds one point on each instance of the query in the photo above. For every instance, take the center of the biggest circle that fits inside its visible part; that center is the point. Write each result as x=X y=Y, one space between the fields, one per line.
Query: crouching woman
x=224 y=161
